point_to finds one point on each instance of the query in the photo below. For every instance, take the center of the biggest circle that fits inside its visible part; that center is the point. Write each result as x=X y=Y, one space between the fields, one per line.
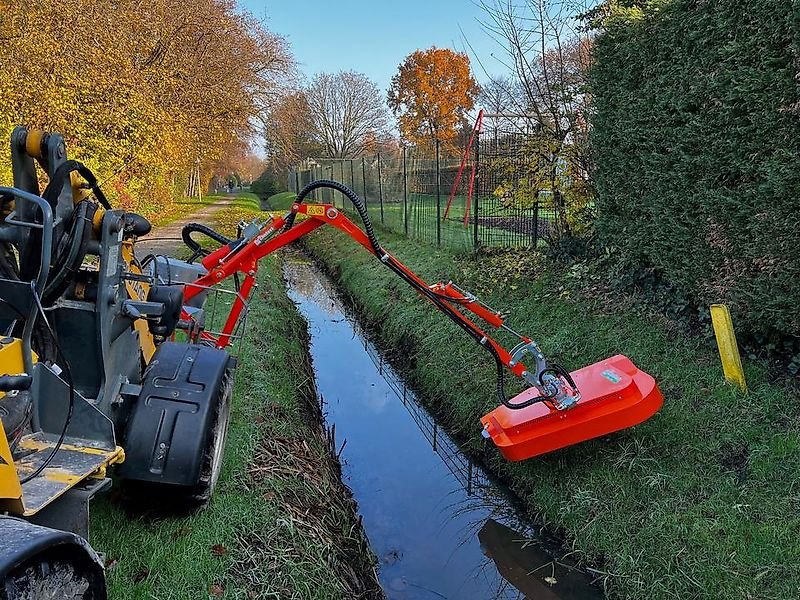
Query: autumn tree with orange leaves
x=146 y=93
x=431 y=94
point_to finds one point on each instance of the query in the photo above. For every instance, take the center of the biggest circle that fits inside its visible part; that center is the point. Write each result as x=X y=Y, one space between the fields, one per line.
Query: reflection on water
x=439 y=524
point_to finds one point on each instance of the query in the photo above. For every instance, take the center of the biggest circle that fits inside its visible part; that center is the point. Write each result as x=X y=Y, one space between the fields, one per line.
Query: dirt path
x=167 y=238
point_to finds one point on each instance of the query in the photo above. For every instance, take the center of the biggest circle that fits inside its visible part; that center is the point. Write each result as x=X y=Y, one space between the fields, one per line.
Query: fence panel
x=486 y=197
x=512 y=207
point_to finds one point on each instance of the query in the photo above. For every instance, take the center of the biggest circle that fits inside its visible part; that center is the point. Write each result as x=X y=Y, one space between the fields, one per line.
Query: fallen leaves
x=141 y=575
x=216 y=590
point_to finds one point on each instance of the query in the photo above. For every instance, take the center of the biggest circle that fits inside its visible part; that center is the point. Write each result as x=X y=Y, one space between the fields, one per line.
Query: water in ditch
x=440 y=526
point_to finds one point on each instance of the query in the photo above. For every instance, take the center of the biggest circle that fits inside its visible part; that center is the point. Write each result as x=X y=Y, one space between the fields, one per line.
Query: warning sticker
x=315 y=210
x=611 y=376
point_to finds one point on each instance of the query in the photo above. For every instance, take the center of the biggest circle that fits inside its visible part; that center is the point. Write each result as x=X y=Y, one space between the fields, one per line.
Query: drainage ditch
x=439 y=524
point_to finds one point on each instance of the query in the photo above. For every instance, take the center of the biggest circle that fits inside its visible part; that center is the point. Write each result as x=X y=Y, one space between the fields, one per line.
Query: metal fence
x=419 y=193
x=512 y=203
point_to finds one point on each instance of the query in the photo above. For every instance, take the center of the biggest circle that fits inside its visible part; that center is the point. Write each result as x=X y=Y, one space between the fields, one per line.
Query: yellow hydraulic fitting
x=79 y=189
x=97 y=221
x=33 y=142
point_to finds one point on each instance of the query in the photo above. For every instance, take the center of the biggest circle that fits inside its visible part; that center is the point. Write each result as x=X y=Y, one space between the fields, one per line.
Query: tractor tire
x=39 y=562
x=199 y=495
x=51 y=578
x=169 y=499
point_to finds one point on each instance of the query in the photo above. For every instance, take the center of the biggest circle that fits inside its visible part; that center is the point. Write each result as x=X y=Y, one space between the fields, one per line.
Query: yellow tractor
x=90 y=374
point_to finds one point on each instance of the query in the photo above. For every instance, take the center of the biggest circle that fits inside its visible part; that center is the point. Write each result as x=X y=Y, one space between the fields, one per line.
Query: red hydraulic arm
x=614 y=394
x=226 y=261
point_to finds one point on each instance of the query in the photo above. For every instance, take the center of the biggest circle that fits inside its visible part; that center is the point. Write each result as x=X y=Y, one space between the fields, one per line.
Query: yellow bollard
x=728 y=348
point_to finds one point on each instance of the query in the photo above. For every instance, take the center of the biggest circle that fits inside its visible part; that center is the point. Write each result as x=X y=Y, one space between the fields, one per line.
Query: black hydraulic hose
x=53 y=189
x=357 y=202
x=71 y=383
x=194 y=246
x=67 y=374
x=435 y=298
x=559 y=371
x=75 y=246
x=51 y=194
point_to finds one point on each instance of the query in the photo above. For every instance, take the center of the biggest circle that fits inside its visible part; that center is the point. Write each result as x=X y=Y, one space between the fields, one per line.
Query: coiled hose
x=435 y=298
x=194 y=246
x=74 y=245
x=70 y=245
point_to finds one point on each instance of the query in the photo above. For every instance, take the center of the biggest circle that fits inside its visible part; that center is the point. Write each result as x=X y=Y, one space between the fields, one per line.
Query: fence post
x=341 y=180
x=405 y=195
x=364 y=179
x=352 y=177
x=330 y=176
x=476 y=190
x=380 y=186
x=296 y=180
x=438 y=198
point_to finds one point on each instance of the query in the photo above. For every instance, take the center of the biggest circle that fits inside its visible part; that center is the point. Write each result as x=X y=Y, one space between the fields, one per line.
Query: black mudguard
x=168 y=429
x=22 y=542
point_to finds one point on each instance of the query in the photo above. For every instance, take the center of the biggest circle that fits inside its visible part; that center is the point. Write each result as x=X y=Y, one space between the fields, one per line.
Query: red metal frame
x=224 y=263
x=615 y=394
x=476 y=129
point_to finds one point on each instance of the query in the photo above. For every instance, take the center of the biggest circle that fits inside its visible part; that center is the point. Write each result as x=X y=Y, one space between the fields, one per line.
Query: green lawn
x=701 y=501
x=421 y=221
x=281 y=524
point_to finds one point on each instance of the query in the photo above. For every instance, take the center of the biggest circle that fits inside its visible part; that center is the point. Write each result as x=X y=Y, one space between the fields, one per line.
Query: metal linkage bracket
x=523 y=349
x=543 y=379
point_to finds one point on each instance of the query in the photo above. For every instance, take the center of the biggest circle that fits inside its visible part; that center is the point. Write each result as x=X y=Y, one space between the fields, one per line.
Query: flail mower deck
x=615 y=395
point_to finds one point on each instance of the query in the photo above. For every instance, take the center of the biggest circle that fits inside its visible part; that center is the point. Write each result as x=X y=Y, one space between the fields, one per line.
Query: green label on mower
x=611 y=376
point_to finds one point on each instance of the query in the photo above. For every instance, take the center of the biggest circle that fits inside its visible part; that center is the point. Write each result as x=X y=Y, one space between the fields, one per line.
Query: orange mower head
x=614 y=395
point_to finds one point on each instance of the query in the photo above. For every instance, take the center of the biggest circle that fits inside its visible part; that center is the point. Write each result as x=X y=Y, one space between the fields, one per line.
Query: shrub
x=264 y=186
x=696 y=144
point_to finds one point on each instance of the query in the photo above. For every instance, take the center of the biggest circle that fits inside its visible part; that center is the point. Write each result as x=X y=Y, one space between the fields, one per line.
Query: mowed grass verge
x=702 y=501
x=281 y=524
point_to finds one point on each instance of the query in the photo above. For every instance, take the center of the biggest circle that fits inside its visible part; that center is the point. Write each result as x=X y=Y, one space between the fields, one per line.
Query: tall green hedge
x=697 y=147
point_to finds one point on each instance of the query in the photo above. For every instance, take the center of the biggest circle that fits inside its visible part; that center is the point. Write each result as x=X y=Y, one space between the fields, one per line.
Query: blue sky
x=373 y=37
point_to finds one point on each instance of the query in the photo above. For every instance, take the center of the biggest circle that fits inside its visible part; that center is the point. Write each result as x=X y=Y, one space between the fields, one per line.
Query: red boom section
x=615 y=394
x=224 y=262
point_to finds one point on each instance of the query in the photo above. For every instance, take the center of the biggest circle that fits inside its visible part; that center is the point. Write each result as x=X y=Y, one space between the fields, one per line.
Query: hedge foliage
x=265 y=185
x=696 y=140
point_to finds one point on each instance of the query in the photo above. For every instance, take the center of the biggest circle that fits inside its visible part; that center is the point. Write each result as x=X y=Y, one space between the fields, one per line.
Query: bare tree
x=289 y=133
x=347 y=113
x=499 y=94
x=548 y=56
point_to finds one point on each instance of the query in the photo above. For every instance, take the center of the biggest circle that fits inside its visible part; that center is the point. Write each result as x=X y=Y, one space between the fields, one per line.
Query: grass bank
x=699 y=502
x=281 y=524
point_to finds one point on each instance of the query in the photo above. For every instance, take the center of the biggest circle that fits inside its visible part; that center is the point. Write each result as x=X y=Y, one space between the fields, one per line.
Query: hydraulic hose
x=435 y=298
x=53 y=189
x=194 y=246
x=357 y=203
x=76 y=240
x=74 y=250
